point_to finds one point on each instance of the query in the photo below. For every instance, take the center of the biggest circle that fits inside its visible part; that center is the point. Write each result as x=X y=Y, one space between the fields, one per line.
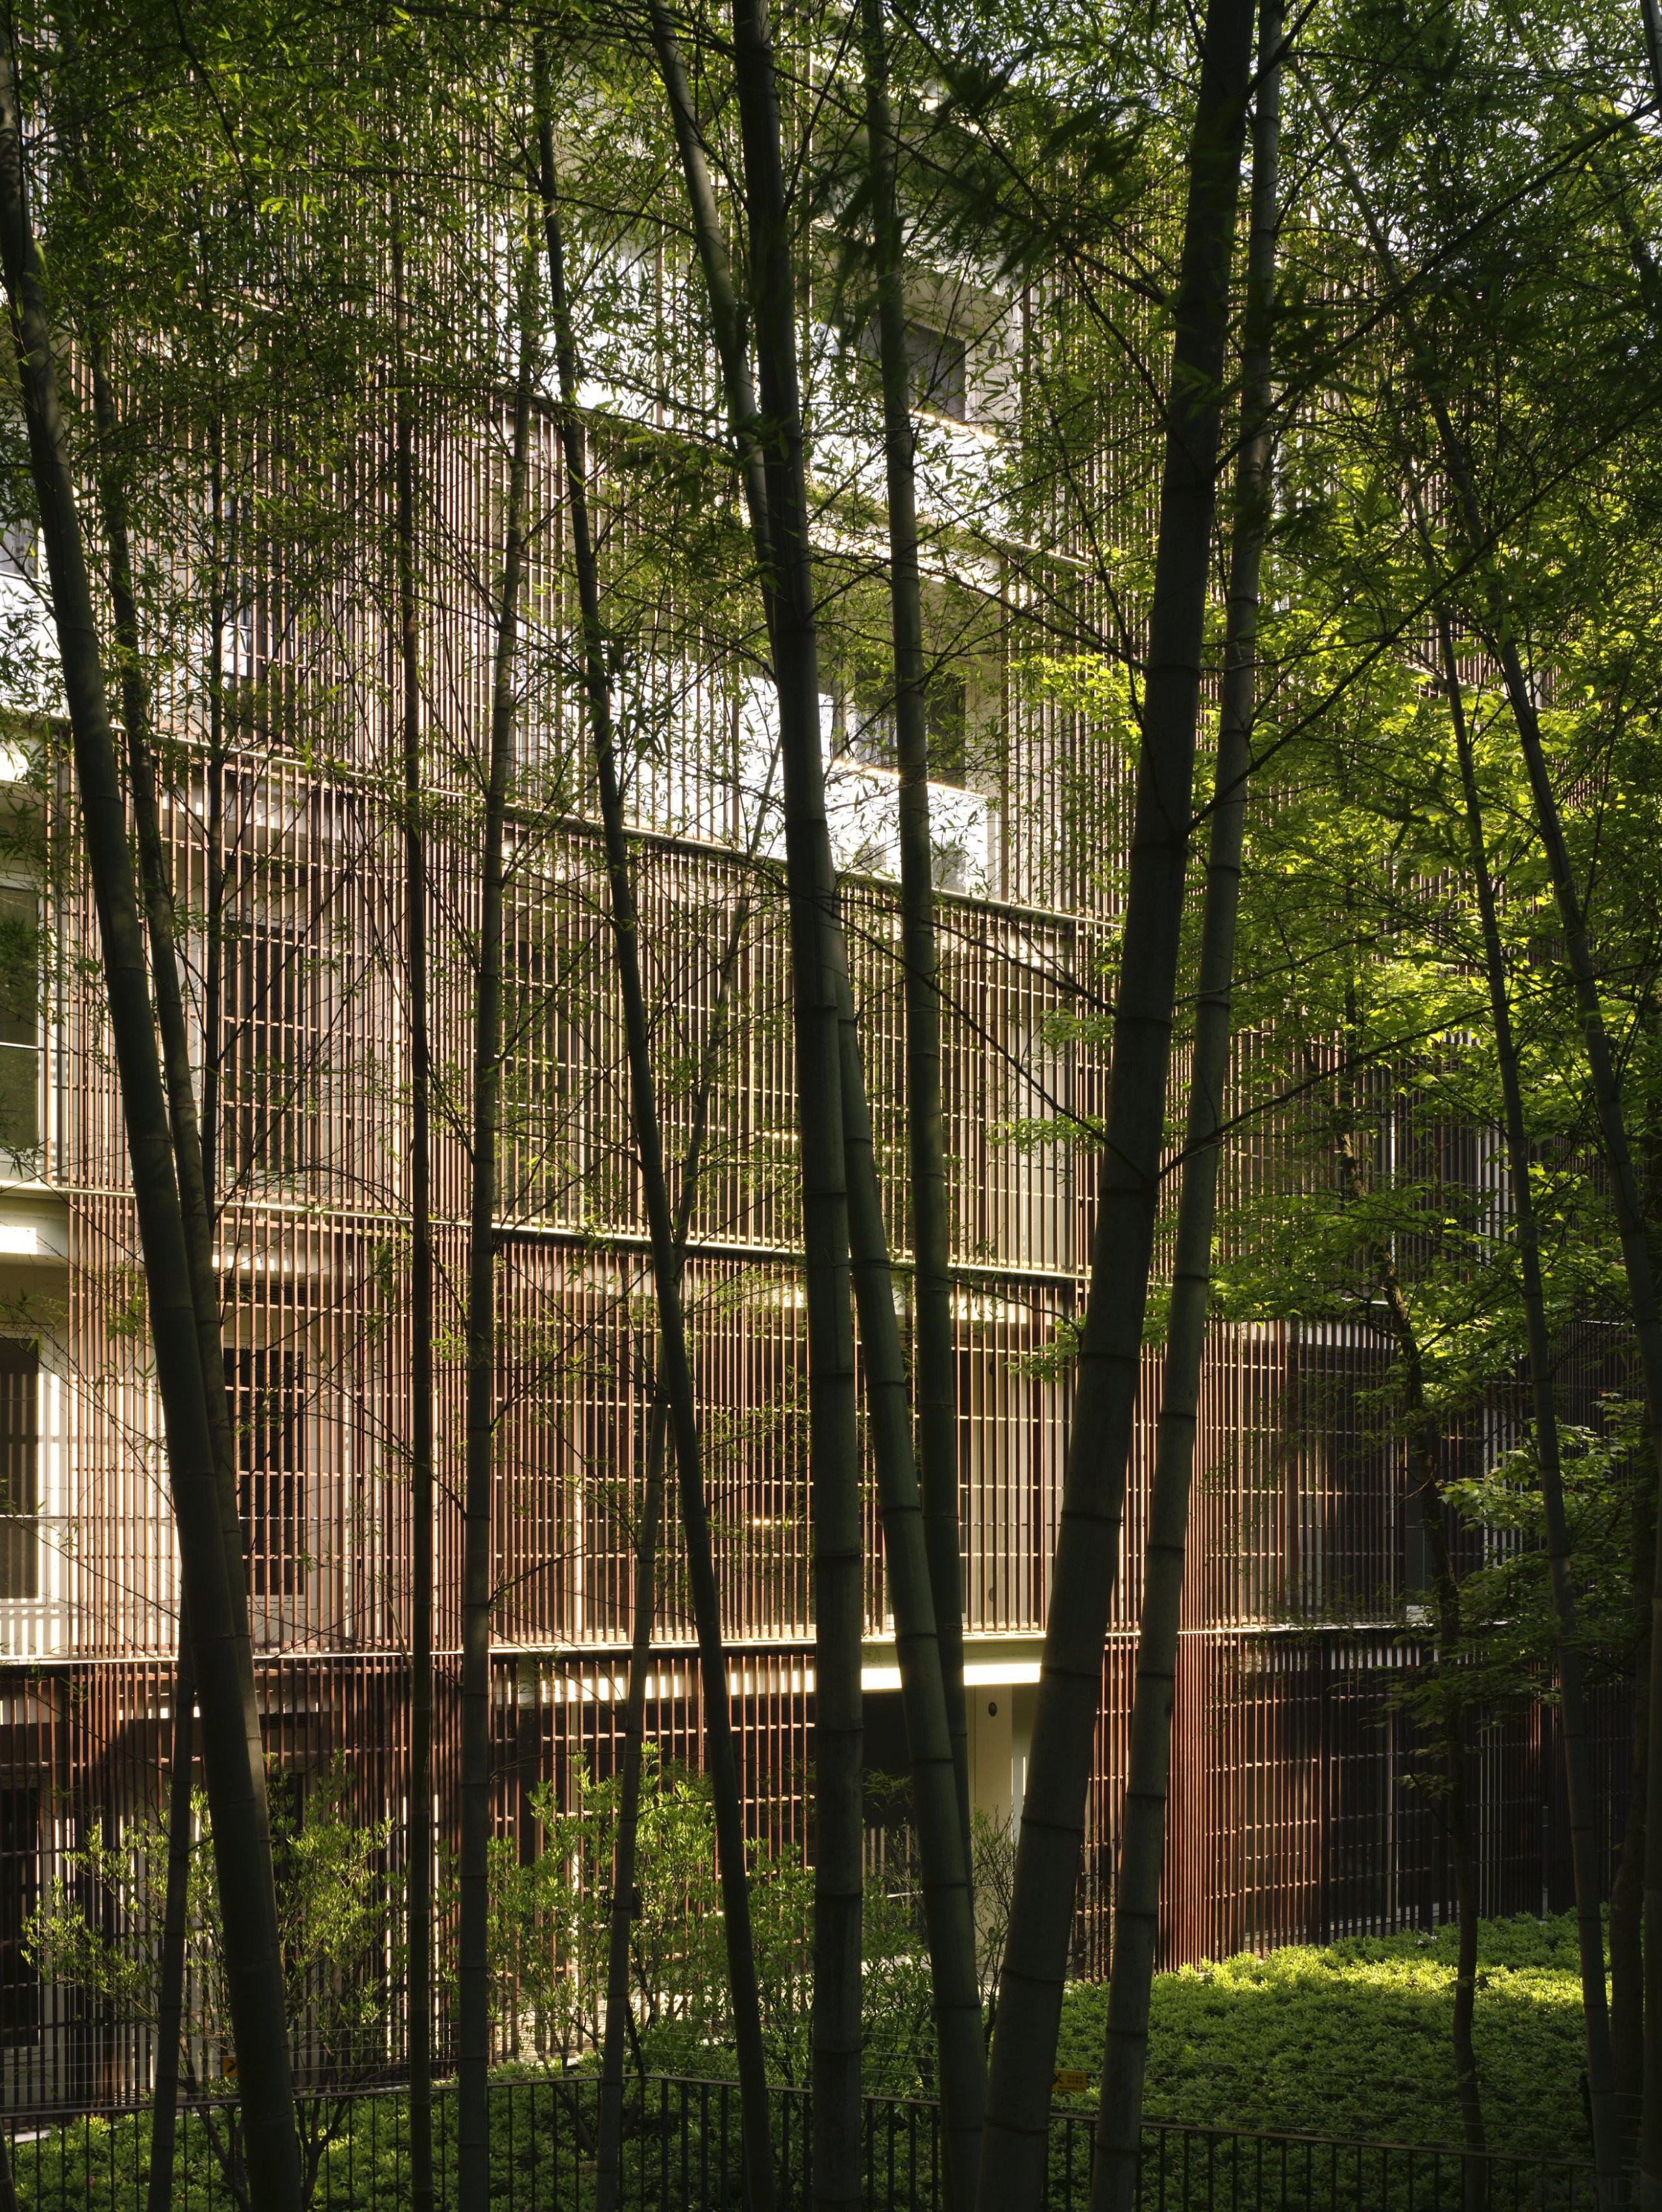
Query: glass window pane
x=19 y=1106
x=19 y=1468
x=19 y=967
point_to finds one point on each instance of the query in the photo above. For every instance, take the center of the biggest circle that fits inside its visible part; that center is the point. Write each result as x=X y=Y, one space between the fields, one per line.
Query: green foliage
x=549 y=1934
x=1350 y=2038
x=550 y=1918
x=1353 y=2039
x=361 y=2164
x=338 y=1911
x=338 y=1922
x=1510 y=1626
x=222 y=191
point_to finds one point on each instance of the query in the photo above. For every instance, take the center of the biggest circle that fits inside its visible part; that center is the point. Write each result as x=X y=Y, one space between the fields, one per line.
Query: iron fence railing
x=681 y=2153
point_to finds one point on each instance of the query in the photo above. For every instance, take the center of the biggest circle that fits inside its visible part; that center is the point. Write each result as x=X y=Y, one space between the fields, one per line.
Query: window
x=18 y=539
x=943 y=718
x=886 y=1785
x=866 y=723
x=557 y=1104
x=1343 y=1486
x=863 y=720
x=266 y=1050
x=935 y=359
x=935 y=368
x=20 y=1985
x=20 y=1468
x=20 y=1031
x=267 y=1409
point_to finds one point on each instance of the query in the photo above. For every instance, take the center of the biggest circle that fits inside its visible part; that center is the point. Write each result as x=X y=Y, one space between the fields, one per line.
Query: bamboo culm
x=1142 y=1832
x=675 y=1377
x=1627 y=1890
x=1624 y=1191
x=473 y=1977
x=419 y=1844
x=1423 y=1445
x=1015 y=2148
x=194 y=1137
x=1651 y=15
x=1571 y=1699
x=193 y=1164
x=934 y=1360
x=232 y=1756
x=781 y=537
x=1647 y=1329
x=617 y=2014
x=943 y=1866
x=170 y=1995
x=615 y=2035
x=773 y=478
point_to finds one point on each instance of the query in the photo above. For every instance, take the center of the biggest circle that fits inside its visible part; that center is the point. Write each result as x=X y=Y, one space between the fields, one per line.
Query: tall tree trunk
x=1468 y=2085
x=1628 y=1891
x=1147 y=1783
x=194 y=1165
x=194 y=1140
x=1424 y=1448
x=934 y=1353
x=419 y=1839
x=667 y=1239
x=1647 y=1325
x=615 y=2035
x=213 y=955
x=1572 y=1700
x=774 y=482
x=617 y=2014
x=783 y=543
x=943 y=1860
x=1099 y=1439
x=1651 y=13
x=1424 y=1456
x=170 y=2007
x=473 y=2134
x=1606 y=1085
x=943 y=1866
x=164 y=2093
x=213 y=1598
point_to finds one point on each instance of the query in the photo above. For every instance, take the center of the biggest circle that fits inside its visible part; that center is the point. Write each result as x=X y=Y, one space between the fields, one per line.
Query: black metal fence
x=681 y=2153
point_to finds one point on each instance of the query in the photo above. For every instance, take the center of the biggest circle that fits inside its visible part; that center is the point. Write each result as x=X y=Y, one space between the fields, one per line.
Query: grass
x=1353 y=2039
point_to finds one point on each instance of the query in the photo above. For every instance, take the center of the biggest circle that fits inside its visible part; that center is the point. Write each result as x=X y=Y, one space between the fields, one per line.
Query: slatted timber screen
x=88 y=1745
x=1294 y=1813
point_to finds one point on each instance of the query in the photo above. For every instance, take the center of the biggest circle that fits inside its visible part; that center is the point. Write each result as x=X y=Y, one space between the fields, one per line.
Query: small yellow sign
x=227 y=2066
x=1073 y=2078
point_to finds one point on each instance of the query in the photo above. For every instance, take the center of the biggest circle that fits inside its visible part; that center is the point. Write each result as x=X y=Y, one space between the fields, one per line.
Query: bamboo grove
x=829 y=880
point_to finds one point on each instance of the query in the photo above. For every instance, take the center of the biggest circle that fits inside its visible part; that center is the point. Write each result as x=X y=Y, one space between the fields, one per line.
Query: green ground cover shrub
x=1349 y=2038
x=1352 y=2039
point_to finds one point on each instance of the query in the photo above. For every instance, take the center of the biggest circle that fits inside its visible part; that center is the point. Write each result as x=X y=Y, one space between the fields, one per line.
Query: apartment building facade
x=1292 y=1814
